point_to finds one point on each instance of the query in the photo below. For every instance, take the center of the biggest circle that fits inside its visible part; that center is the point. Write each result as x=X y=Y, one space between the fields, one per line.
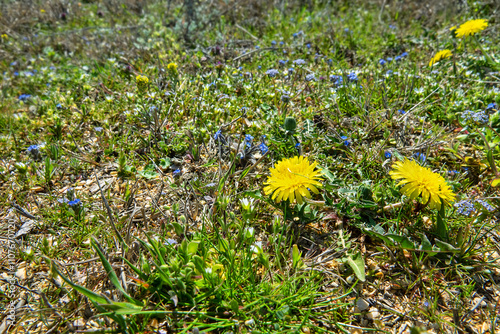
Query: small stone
x=21 y=273
x=79 y=323
x=373 y=314
x=481 y=303
x=362 y=304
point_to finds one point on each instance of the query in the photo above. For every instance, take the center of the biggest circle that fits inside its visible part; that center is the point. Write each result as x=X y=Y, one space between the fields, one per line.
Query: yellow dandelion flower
x=471 y=27
x=293 y=179
x=440 y=55
x=142 y=82
x=418 y=180
x=172 y=67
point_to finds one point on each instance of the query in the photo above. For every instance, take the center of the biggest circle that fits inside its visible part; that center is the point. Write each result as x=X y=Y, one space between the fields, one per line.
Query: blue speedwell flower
x=336 y=79
x=420 y=157
x=272 y=73
x=352 y=77
x=382 y=62
x=310 y=77
x=492 y=106
x=299 y=62
x=176 y=172
x=74 y=203
x=485 y=205
x=263 y=148
x=24 y=97
x=34 y=152
x=388 y=155
x=464 y=207
x=217 y=134
x=248 y=138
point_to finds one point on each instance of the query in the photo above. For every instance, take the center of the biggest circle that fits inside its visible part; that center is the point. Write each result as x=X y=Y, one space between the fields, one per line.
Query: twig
x=248 y=32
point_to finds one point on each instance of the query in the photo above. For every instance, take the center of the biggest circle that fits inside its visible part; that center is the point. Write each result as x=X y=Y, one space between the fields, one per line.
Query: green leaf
x=426 y=245
x=111 y=273
x=357 y=264
x=296 y=254
x=446 y=247
x=402 y=240
x=326 y=173
x=495 y=182
x=165 y=163
x=193 y=247
x=94 y=297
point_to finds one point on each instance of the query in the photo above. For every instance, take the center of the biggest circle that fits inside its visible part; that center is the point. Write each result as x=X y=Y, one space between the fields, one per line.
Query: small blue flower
x=33 y=148
x=74 y=203
x=464 y=207
x=420 y=156
x=485 y=205
x=24 y=97
x=217 y=134
x=391 y=26
x=272 y=73
x=295 y=35
x=388 y=155
x=481 y=117
x=310 y=77
x=329 y=61
x=352 y=77
x=263 y=148
x=58 y=106
x=382 y=62
x=401 y=111
x=297 y=145
x=285 y=98
x=404 y=54
x=257 y=47
x=170 y=241
x=273 y=43
x=389 y=72
x=176 y=172
x=308 y=45
x=389 y=59
x=259 y=67
x=16 y=73
x=248 y=138
x=282 y=43
x=282 y=62
x=347 y=143
x=299 y=62
x=63 y=200
x=291 y=70
x=98 y=129
x=336 y=79
x=492 y=106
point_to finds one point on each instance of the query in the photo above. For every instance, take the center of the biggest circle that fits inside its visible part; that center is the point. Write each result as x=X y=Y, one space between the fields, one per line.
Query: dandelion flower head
x=142 y=82
x=418 y=180
x=172 y=67
x=440 y=55
x=292 y=179
x=471 y=27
